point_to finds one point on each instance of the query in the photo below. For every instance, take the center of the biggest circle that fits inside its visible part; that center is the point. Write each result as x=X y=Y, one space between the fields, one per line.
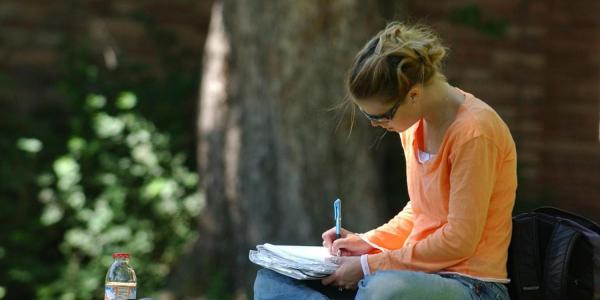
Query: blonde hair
x=394 y=60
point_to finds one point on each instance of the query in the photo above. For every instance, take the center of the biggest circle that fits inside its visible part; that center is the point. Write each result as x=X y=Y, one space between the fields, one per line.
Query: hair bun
x=395 y=59
x=425 y=45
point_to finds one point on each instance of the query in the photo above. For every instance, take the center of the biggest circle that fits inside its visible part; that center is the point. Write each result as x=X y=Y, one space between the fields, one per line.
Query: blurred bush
x=117 y=189
x=100 y=170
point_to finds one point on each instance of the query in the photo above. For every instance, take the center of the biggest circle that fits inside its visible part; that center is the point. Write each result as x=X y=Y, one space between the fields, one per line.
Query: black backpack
x=551 y=256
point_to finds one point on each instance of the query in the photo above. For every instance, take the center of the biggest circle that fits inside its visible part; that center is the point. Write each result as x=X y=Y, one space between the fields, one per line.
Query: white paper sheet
x=299 y=262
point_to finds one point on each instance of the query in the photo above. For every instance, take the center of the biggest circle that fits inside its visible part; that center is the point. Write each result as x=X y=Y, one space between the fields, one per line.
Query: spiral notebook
x=299 y=262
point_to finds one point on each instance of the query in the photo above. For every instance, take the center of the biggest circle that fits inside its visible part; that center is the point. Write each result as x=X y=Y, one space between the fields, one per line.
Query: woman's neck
x=441 y=105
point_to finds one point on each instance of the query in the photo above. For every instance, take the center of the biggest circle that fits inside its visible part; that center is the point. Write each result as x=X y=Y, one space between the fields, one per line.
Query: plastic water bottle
x=121 y=283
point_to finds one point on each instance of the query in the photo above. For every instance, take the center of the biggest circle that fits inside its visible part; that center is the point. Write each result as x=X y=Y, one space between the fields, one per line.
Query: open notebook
x=299 y=262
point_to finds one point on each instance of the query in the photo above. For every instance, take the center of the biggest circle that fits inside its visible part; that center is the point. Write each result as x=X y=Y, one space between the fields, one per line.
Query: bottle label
x=120 y=290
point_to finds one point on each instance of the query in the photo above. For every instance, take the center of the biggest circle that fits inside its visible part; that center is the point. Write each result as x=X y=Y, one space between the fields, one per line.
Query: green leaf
x=84 y=241
x=76 y=200
x=91 y=71
x=117 y=233
x=152 y=189
x=90 y=283
x=68 y=296
x=45 y=179
x=95 y=101
x=108 y=179
x=103 y=215
x=47 y=195
x=20 y=274
x=67 y=172
x=108 y=126
x=52 y=214
x=142 y=242
x=65 y=165
x=470 y=15
x=76 y=144
x=145 y=155
x=194 y=203
x=30 y=145
x=137 y=137
x=167 y=206
x=126 y=101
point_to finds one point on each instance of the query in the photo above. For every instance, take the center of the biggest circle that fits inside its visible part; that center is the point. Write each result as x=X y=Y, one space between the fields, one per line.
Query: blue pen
x=337 y=215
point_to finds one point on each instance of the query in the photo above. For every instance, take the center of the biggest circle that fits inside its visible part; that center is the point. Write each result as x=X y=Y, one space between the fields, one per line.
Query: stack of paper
x=299 y=262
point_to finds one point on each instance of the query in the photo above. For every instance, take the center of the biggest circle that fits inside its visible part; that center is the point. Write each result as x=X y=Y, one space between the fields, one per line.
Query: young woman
x=451 y=239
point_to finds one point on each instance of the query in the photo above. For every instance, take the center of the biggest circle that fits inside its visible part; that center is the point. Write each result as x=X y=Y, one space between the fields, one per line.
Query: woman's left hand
x=347 y=275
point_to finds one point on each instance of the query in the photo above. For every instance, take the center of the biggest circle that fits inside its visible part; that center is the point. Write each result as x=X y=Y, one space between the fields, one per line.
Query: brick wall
x=33 y=34
x=542 y=76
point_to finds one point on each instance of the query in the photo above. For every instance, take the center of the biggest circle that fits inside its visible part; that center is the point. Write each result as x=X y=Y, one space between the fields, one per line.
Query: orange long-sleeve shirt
x=459 y=217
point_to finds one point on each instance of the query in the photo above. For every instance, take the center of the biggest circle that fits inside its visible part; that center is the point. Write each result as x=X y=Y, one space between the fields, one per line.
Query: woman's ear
x=413 y=94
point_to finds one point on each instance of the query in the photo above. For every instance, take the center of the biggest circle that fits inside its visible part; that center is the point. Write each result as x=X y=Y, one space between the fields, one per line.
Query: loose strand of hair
x=343 y=107
x=377 y=142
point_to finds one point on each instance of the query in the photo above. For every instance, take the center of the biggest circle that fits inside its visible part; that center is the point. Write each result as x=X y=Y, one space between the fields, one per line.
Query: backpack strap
x=556 y=263
x=525 y=259
x=557 y=212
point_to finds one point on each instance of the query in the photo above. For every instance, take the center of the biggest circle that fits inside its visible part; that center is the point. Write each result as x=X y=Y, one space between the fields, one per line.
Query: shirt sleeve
x=392 y=234
x=472 y=177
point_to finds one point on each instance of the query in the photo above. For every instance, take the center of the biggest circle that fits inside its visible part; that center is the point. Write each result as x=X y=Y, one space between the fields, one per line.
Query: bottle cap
x=120 y=255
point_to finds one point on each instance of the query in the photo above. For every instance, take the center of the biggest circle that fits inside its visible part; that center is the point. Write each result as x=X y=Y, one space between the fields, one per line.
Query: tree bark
x=270 y=158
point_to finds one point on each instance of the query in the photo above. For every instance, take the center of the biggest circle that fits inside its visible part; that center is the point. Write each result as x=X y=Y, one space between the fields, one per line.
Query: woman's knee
x=272 y=285
x=411 y=285
x=266 y=278
x=389 y=285
x=265 y=281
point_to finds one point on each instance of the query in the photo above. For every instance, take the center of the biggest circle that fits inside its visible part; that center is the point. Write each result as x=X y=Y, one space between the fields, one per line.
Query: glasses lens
x=376 y=118
x=388 y=115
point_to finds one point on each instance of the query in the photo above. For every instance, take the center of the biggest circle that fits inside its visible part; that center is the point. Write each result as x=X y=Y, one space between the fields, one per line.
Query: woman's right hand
x=349 y=244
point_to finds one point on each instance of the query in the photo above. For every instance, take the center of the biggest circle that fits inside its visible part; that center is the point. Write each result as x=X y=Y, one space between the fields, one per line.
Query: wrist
x=364 y=264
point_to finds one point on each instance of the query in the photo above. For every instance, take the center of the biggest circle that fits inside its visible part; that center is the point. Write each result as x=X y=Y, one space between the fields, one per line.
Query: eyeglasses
x=386 y=116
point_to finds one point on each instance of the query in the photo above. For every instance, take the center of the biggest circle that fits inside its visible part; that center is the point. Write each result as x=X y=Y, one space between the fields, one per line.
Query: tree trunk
x=271 y=160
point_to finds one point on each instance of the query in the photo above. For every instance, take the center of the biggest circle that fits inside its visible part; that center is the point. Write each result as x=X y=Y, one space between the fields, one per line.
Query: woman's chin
x=402 y=129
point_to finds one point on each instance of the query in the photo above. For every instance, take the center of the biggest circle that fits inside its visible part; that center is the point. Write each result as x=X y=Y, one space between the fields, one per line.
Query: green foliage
x=470 y=16
x=118 y=188
x=35 y=253
x=27 y=255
